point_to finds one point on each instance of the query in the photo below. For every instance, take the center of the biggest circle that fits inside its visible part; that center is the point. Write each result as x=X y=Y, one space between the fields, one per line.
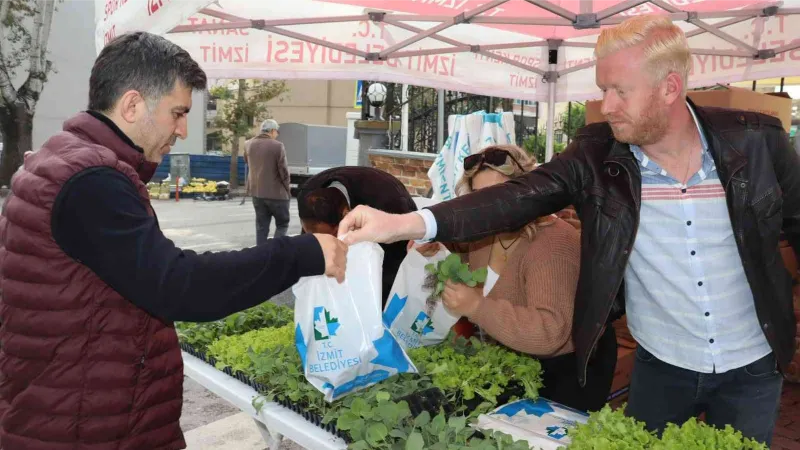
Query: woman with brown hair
x=528 y=299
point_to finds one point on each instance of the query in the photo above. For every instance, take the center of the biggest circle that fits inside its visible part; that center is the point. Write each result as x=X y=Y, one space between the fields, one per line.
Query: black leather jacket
x=600 y=176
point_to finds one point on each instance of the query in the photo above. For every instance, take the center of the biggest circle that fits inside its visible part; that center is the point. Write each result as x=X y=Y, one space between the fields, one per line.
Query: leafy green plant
x=609 y=429
x=456 y=434
x=200 y=335
x=377 y=422
x=376 y=425
x=452 y=269
x=379 y=417
x=280 y=371
x=536 y=145
x=466 y=368
x=694 y=435
x=234 y=351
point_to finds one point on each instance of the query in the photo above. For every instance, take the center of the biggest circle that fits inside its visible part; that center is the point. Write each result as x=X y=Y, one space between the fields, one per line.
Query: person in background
x=328 y=196
x=268 y=181
x=528 y=299
x=90 y=286
x=681 y=211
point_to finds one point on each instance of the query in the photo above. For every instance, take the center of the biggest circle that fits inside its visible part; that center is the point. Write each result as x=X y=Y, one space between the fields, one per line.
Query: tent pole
x=551 y=117
x=404 y=119
x=569 y=121
x=552 y=79
x=440 y=120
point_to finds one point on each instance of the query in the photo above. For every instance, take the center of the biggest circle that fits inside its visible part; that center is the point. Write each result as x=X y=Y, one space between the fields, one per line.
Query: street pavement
x=209 y=422
x=213 y=225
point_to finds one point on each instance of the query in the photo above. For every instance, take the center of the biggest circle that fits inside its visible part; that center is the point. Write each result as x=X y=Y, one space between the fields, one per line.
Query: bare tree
x=24 y=33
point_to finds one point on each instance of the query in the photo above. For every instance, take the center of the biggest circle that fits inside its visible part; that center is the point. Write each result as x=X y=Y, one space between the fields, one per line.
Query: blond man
x=681 y=210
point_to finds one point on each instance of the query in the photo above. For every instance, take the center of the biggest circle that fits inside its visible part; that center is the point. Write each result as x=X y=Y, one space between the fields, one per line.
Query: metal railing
x=423 y=114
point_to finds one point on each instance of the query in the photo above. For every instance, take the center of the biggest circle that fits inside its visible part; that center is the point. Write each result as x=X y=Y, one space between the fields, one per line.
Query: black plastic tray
x=432 y=400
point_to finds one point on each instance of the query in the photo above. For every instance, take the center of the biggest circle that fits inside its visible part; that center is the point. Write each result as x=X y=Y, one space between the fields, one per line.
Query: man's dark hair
x=325 y=205
x=143 y=62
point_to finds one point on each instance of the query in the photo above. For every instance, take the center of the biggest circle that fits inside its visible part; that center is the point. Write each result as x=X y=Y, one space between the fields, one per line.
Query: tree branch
x=7 y=92
x=37 y=73
x=45 y=37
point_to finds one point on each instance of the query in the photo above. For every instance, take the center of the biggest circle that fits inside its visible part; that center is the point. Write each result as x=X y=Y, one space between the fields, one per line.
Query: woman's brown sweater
x=530 y=307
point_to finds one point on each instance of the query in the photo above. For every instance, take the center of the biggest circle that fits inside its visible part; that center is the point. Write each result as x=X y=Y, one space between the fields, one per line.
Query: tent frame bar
x=461 y=18
x=261 y=25
x=616 y=9
x=555 y=9
x=693 y=19
x=456 y=43
x=467 y=48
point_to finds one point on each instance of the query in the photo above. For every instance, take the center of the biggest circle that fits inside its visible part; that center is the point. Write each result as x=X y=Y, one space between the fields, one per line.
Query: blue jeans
x=746 y=398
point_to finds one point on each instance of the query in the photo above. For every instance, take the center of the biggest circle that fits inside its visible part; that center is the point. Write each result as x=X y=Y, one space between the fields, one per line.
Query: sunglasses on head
x=494 y=157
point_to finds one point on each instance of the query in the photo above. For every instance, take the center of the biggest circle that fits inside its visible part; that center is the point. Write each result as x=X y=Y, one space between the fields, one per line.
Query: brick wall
x=412 y=172
x=790 y=261
x=793 y=374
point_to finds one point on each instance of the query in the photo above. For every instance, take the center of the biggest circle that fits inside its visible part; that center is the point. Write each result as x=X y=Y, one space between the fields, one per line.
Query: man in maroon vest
x=90 y=286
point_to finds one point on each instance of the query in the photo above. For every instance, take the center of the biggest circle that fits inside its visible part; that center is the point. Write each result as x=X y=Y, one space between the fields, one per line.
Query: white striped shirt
x=688 y=301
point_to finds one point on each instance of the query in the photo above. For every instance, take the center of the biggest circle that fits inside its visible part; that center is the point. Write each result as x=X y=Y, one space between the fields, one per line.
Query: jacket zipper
x=627 y=258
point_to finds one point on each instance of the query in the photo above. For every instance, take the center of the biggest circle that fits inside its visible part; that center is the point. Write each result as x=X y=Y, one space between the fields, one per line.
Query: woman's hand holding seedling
x=452 y=278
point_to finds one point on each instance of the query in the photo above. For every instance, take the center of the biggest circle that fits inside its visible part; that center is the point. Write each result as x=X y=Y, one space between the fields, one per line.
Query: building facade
x=310 y=102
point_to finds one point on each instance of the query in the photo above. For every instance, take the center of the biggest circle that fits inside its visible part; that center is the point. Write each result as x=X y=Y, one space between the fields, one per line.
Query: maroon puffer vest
x=81 y=368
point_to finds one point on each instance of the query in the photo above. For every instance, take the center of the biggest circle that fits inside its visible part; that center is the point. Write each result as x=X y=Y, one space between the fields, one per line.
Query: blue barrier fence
x=216 y=168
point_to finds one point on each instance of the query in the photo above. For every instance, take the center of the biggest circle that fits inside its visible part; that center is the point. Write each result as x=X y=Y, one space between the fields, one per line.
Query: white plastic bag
x=406 y=313
x=543 y=423
x=339 y=333
x=469 y=134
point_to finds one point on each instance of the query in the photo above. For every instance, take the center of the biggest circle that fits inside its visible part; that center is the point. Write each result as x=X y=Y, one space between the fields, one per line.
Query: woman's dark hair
x=326 y=205
x=143 y=62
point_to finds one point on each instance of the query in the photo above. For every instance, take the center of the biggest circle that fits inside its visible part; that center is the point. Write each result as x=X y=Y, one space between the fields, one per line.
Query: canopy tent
x=539 y=50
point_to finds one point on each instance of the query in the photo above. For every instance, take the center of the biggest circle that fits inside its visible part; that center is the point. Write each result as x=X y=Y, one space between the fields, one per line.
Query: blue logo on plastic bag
x=422 y=324
x=557 y=432
x=325 y=325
